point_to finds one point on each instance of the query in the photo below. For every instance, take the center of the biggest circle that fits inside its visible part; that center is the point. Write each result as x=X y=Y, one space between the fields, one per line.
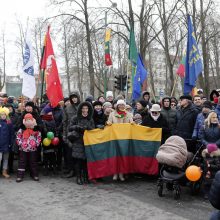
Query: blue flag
x=193 y=66
x=140 y=76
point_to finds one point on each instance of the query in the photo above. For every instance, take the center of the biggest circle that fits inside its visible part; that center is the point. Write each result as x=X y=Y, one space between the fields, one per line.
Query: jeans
x=4 y=157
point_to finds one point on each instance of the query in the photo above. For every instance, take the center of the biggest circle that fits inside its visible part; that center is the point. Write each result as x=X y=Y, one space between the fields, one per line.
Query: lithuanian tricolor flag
x=108 y=61
x=122 y=148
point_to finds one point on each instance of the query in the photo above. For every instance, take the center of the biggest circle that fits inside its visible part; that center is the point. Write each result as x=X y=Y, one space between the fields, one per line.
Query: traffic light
x=121 y=82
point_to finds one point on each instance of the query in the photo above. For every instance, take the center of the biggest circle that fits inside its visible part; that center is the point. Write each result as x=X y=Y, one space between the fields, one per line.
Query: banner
x=28 y=85
x=122 y=148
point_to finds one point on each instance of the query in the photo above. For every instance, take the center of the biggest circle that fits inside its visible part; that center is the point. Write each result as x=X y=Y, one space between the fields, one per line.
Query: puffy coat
x=160 y=123
x=186 y=119
x=171 y=116
x=211 y=135
x=6 y=135
x=214 y=192
x=114 y=118
x=76 y=130
x=69 y=112
x=217 y=110
x=58 y=117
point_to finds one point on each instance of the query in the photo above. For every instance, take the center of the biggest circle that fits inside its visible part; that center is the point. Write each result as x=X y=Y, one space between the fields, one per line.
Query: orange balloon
x=193 y=173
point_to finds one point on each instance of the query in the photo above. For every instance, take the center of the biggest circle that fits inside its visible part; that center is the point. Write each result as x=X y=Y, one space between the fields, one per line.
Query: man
x=156 y=120
x=206 y=108
x=186 y=118
x=217 y=109
x=169 y=113
x=69 y=112
x=197 y=101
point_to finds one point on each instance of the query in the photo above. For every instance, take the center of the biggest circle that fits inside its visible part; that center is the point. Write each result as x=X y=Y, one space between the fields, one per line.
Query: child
x=49 y=152
x=28 y=141
x=6 y=139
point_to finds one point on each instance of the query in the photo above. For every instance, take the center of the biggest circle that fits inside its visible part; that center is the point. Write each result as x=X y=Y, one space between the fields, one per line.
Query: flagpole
x=174 y=85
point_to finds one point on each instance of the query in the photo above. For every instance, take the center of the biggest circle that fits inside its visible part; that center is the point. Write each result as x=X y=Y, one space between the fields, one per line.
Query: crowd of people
x=24 y=124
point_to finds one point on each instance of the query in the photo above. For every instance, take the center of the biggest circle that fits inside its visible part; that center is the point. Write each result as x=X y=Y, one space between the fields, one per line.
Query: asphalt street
x=56 y=198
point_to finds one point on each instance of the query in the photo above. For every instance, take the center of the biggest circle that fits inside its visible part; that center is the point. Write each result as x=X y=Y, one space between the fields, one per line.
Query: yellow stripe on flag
x=122 y=132
x=107 y=35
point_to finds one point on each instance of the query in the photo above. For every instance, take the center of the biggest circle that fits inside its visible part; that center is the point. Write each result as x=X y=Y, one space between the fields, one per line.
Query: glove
x=108 y=123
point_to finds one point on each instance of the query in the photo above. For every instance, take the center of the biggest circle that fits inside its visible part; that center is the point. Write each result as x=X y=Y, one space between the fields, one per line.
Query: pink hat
x=211 y=148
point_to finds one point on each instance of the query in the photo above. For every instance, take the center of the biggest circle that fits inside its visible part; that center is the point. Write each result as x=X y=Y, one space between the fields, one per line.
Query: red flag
x=181 y=70
x=53 y=86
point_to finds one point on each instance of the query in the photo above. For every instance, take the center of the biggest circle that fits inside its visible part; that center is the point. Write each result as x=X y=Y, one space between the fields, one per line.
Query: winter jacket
x=198 y=125
x=160 y=123
x=6 y=135
x=99 y=118
x=211 y=135
x=76 y=130
x=58 y=117
x=171 y=116
x=186 y=119
x=115 y=118
x=28 y=144
x=217 y=110
x=214 y=192
x=14 y=118
x=69 y=112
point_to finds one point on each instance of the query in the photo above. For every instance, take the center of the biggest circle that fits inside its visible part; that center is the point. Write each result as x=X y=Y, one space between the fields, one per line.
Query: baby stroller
x=174 y=160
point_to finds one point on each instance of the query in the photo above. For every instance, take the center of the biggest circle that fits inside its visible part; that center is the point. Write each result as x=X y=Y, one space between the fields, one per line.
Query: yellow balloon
x=46 y=142
x=193 y=173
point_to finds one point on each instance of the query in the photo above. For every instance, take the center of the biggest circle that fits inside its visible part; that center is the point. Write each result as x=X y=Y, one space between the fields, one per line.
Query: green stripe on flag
x=121 y=148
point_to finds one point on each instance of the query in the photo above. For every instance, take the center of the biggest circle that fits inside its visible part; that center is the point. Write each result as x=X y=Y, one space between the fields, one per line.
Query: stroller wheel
x=160 y=190
x=176 y=194
x=169 y=186
x=195 y=188
x=176 y=191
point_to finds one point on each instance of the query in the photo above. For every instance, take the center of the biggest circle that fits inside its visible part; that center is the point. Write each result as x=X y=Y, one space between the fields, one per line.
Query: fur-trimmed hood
x=74 y=94
x=79 y=110
x=215 y=153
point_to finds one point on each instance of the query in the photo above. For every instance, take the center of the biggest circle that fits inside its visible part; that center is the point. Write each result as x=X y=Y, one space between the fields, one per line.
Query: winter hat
x=121 y=102
x=143 y=103
x=107 y=105
x=207 y=104
x=186 y=97
x=155 y=108
x=211 y=148
x=97 y=103
x=29 y=104
x=89 y=98
x=28 y=116
x=4 y=110
x=109 y=94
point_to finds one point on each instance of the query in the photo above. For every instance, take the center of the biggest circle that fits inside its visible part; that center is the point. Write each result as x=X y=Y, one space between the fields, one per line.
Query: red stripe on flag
x=111 y=166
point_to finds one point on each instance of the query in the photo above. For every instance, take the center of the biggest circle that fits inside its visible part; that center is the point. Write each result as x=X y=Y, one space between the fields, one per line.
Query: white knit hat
x=109 y=94
x=155 y=108
x=120 y=102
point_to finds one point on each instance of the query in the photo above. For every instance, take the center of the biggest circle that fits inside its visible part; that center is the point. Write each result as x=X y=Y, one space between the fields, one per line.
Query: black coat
x=214 y=193
x=76 y=129
x=99 y=119
x=171 y=117
x=160 y=123
x=186 y=118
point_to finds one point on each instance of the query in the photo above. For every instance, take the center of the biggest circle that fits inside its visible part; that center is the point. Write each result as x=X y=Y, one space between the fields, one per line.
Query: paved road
x=55 y=198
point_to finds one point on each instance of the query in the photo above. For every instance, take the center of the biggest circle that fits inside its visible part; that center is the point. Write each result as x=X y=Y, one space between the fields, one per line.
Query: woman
x=120 y=115
x=210 y=136
x=79 y=123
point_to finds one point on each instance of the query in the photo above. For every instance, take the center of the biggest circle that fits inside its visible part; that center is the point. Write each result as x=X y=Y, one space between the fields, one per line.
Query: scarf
x=27 y=133
x=121 y=114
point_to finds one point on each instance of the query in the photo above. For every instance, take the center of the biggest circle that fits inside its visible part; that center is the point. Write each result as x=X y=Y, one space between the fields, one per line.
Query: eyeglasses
x=155 y=113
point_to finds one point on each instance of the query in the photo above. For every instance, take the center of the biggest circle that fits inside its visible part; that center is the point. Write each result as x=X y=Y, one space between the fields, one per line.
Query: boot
x=121 y=177
x=79 y=180
x=70 y=174
x=85 y=177
x=5 y=174
x=115 y=177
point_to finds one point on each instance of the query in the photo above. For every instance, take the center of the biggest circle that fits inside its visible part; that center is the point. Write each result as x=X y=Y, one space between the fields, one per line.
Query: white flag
x=28 y=86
